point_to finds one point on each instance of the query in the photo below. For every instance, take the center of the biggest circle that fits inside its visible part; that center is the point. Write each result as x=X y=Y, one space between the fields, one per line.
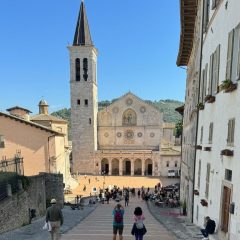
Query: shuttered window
x=2 y=144
x=206 y=14
x=229 y=55
x=210 y=75
x=217 y=68
x=203 y=85
x=215 y=61
x=210 y=133
x=238 y=51
x=201 y=136
x=205 y=80
x=199 y=174
x=231 y=129
x=207 y=180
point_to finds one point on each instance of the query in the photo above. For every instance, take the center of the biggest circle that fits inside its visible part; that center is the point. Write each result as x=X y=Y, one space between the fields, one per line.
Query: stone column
x=153 y=168
x=120 y=167
x=132 y=167
x=143 y=166
x=110 y=167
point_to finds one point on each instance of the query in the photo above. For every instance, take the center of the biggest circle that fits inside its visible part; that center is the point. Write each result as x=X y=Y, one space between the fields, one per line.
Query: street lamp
x=103 y=173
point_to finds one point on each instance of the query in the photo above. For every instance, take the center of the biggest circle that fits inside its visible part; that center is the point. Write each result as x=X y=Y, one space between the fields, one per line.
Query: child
x=138 y=228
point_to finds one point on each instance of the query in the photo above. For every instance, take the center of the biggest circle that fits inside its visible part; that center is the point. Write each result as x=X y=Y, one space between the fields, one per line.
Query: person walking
x=55 y=217
x=118 y=213
x=126 y=198
x=138 y=229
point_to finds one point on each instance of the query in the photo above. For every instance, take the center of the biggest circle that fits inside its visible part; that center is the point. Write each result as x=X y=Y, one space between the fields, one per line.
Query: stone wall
x=14 y=210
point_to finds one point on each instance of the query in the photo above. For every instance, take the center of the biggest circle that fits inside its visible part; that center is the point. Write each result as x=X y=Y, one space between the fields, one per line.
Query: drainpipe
x=49 y=168
x=199 y=85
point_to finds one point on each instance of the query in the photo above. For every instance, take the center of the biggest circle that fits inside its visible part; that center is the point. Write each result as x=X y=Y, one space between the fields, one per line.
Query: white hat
x=53 y=201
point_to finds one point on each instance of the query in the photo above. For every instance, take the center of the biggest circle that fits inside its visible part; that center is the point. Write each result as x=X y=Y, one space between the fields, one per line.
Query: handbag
x=47 y=226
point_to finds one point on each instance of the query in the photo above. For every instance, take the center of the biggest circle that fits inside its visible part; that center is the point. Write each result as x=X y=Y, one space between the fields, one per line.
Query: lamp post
x=103 y=173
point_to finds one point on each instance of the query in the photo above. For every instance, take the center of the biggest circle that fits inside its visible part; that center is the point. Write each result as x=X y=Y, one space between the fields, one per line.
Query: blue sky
x=137 y=42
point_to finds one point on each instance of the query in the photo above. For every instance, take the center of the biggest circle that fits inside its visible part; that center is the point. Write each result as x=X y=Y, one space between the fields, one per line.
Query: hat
x=53 y=201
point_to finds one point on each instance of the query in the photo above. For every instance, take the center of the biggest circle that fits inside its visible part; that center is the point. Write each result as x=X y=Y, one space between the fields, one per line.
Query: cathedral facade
x=128 y=137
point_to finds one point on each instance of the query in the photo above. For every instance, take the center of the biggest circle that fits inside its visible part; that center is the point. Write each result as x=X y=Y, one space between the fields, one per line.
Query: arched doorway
x=104 y=166
x=148 y=167
x=115 y=167
x=138 y=167
x=126 y=167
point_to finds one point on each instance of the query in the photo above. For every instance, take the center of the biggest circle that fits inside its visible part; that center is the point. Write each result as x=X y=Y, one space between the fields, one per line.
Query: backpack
x=139 y=224
x=118 y=218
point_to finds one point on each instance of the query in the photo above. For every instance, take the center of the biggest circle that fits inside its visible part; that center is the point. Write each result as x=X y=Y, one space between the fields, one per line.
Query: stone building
x=129 y=137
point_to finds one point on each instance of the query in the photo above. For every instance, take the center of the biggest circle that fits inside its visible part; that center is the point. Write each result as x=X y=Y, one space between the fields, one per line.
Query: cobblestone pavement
x=34 y=231
x=98 y=225
x=175 y=223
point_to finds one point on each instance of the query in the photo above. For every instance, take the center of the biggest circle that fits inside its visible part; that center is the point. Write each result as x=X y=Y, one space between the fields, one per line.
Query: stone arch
x=138 y=167
x=104 y=166
x=126 y=166
x=129 y=117
x=148 y=167
x=115 y=166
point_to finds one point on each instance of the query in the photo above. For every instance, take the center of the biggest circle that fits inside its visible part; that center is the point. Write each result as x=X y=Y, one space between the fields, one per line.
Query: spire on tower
x=82 y=35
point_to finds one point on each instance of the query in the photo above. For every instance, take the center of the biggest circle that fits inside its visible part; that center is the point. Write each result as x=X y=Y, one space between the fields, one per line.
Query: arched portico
x=138 y=167
x=127 y=166
x=148 y=167
x=104 y=166
x=115 y=166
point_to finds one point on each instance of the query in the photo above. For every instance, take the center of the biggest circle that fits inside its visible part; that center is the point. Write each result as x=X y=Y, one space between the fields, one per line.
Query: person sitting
x=210 y=227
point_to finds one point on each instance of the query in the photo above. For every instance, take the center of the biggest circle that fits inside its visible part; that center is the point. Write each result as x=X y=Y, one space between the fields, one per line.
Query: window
x=205 y=81
x=238 y=51
x=175 y=164
x=231 y=129
x=214 y=72
x=207 y=180
x=85 y=69
x=206 y=14
x=2 y=143
x=201 y=136
x=167 y=165
x=210 y=133
x=86 y=102
x=228 y=175
x=78 y=102
x=199 y=174
x=77 y=69
x=90 y=121
x=229 y=55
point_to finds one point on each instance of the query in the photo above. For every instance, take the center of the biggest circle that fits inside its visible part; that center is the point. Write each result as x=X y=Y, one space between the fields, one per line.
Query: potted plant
x=228 y=86
x=198 y=147
x=200 y=106
x=204 y=202
x=196 y=192
x=207 y=149
x=227 y=152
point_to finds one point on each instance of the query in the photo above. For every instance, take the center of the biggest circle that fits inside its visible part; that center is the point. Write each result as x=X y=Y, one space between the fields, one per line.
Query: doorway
x=225 y=209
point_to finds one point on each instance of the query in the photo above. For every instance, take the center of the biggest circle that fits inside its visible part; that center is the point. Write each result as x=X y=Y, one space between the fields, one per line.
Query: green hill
x=166 y=106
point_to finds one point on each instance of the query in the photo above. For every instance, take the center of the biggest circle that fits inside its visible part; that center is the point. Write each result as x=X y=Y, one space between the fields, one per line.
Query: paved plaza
x=98 y=225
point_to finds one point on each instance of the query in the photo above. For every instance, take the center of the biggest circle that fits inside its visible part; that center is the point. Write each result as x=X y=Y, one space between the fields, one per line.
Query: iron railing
x=12 y=165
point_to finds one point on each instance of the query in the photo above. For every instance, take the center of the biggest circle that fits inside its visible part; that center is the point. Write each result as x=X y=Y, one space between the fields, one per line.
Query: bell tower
x=84 y=99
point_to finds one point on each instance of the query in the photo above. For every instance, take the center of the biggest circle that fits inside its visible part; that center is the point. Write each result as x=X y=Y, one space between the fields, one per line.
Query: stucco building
x=129 y=137
x=189 y=56
x=41 y=140
x=217 y=157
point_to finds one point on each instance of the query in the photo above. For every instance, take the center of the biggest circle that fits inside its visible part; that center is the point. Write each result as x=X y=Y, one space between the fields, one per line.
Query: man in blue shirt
x=118 y=213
